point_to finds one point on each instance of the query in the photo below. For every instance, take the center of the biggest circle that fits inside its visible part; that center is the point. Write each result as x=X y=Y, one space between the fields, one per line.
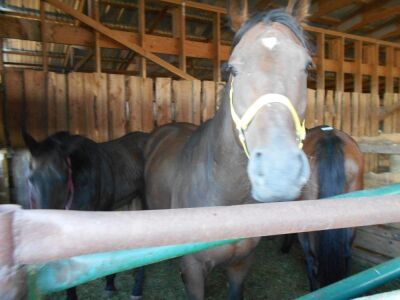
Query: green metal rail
x=358 y=284
x=66 y=273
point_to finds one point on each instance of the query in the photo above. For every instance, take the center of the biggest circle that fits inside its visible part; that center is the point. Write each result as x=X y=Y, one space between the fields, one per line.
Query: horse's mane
x=61 y=141
x=275 y=15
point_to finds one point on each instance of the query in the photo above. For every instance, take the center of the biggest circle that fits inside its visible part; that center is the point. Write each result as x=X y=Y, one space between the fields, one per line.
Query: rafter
x=368 y=17
x=119 y=38
x=324 y=7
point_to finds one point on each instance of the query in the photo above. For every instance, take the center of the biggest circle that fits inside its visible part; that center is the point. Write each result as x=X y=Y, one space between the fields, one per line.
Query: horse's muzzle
x=277 y=174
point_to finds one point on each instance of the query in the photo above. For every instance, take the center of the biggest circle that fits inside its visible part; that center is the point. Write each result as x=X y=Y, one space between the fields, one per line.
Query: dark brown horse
x=73 y=172
x=337 y=167
x=189 y=166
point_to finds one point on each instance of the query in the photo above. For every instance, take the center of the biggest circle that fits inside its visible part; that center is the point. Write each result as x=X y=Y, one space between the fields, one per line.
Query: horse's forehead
x=271 y=36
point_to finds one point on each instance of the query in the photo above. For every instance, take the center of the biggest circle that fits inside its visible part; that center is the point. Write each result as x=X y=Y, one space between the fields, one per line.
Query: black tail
x=334 y=245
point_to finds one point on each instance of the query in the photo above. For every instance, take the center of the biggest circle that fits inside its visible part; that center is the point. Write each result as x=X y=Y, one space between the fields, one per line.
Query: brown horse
x=189 y=166
x=337 y=167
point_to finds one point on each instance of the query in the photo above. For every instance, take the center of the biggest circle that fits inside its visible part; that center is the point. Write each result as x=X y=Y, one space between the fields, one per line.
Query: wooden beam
x=321 y=60
x=197 y=5
x=43 y=27
x=179 y=21
x=389 y=71
x=217 y=46
x=358 y=48
x=339 y=49
x=83 y=60
x=369 y=17
x=97 y=49
x=373 y=59
x=142 y=37
x=119 y=38
x=325 y=7
x=1 y=60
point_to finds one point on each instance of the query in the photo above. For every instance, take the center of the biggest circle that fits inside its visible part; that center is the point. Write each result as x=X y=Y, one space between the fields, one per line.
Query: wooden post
x=389 y=69
x=339 y=56
x=179 y=31
x=373 y=59
x=217 y=48
x=97 y=49
x=43 y=34
x=358 y=61
x=142 y=33
x=321 y=61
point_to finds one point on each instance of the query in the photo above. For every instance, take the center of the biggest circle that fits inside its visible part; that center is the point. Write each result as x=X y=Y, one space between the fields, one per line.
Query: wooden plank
x=57 y=119
x=97 y=49
x=320 y=108
x=310 y=111
x=95 y=98
x=363 y=115
x=14 y=91
x=181 y=91
x=219 y=86
x=396 y=117
x=36 y=104
x=100 y=106
x=148 y=105
x=76 y=103
x=196 y=101
x=43 y=28
x=208 y=100
x=340 y=62
x=134 y=90
x=119 y=38
x=388 y=121
x=321 y=61
x=374 y=109
x=116 y=100
x=355 y=114
x=346 y=121
x=163 y=96
x=367 y=257
x=217 y=47
x=329 y=108
x=377 y=243
x=358 y=48
x=338 y=110
x=142 y=35
x=389 y=70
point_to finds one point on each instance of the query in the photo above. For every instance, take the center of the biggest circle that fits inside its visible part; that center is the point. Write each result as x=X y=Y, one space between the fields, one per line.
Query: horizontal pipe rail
x=359 y=283
x=64 y=234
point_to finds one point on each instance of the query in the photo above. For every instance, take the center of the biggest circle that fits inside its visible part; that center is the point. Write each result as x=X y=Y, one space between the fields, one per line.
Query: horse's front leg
x=110 y=286
x=71 y=294
x=137 y=290
x=305 y=242
x=236 y=274
x=193 y=276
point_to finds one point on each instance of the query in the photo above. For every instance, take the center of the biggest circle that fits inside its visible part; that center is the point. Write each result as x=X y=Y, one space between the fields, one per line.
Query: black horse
x=73 y=172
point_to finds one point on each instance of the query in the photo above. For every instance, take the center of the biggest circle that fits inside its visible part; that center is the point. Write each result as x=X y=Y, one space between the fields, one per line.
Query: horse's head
x=49 y=178
x=268 y=94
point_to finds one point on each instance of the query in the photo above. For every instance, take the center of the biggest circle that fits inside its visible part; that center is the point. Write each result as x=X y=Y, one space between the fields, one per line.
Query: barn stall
x=89 y=67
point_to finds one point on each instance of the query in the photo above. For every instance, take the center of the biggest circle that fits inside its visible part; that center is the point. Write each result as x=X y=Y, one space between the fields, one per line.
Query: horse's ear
x=299 y=9
x=30 y=142
x=238 y=13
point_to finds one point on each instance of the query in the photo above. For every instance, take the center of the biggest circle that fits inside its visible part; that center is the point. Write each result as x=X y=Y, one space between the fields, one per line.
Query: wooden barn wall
x=101 y=106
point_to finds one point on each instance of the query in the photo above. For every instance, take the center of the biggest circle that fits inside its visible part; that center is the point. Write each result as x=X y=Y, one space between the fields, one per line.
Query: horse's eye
x=231 y=69
x=310 y=66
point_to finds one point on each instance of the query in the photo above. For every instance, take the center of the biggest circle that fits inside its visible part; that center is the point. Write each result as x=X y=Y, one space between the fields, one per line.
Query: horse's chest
x=228 y=254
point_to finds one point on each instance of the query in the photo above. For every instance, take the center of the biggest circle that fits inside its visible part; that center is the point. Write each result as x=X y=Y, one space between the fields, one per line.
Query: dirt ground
x=273 y=276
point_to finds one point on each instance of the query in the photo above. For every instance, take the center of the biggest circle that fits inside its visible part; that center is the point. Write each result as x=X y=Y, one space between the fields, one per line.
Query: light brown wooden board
x=36 y=104
x=320 y=107
x=388 y=121
x=338 y=99
x=57 y=102
x=368 y=239
x=355 y=114
x=310 y=110
x=76 y=103
x=116 y=100
x=196 y=102
x=329 y=110
x=163 y=95
x=101 y=106
x=346 y=120
x=134 y=90
x=363 y=116
x=182 y=95
x=148 y=105
x=14 y=91
x=208 y=100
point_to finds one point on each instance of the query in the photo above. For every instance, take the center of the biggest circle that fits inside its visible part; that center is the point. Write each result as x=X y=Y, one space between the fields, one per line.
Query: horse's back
x=162 y=153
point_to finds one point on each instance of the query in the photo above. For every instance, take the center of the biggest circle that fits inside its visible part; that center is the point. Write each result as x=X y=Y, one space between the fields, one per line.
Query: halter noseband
x=70 y=188
x=243 y=123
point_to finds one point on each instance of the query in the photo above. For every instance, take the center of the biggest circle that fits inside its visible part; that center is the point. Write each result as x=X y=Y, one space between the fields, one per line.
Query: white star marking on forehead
x=269 y=42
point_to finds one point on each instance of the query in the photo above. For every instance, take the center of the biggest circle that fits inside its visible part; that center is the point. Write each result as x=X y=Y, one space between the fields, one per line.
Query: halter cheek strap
x=70 y=186
x=243 y=123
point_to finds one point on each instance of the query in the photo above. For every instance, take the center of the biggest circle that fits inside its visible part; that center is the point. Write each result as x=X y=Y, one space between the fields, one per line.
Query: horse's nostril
x=258 y=154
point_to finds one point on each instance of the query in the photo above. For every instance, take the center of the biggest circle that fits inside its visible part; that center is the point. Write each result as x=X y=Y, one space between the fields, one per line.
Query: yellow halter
x=243 y=123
